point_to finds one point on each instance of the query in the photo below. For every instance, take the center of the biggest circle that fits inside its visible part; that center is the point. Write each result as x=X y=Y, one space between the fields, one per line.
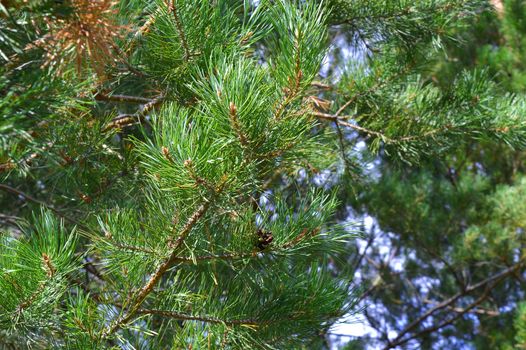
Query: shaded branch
x=446 y=303
x=122 y=98
x=138 y=117
x=461 y=313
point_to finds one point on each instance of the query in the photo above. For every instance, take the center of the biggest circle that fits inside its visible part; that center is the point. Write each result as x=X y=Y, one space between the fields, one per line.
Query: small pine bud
x=108 y=235
x=166 y=153
x=188 y=163
x=7 y=166
x=246 y=37
x=299 y=75
x=233 y=109
x=50 y=269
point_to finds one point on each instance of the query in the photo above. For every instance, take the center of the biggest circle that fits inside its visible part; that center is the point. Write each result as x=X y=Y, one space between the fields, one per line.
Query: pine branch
x=441 y=325
x=158 y=274
x=50 y=272
x=138 y=117
x=207 y=319
x=446 y=303
x=122 y=98
x=173 y=9
x=163 y=267
x=340 y=121
x=446 y=8
x=378 y=85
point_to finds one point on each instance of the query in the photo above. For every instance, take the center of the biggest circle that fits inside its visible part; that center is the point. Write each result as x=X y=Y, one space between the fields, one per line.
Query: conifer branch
x=138 y=117
x=378 y=85
x=173 y=9
x=122 y=98
x=340 y=120
x=446 y=303
x=405 y=12
x=31 y=299
x=206 y=319
x=163 y=267
x=234 y=120
x=50 y=272
x=158 y=274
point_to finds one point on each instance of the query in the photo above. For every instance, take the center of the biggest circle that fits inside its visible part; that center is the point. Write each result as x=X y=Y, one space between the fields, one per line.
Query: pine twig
x=138 y=117
x=337 y=119
x=163 y=267
x=182 y=36
x=122 y=98
x=207 y=319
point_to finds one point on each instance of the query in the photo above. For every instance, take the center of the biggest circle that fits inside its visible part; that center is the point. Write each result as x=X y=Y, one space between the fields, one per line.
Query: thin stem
x=173 y=9
x=138 y=117
x=207 y=319
x=122 y=98
x=446 y=303
x=341 y=140
x=24 y=195
x=335 y=118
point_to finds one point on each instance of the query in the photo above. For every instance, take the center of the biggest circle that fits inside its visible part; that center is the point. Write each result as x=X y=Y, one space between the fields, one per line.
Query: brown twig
x=138 y=117
x=122 y=98
x=446 y=303
x=337 y=119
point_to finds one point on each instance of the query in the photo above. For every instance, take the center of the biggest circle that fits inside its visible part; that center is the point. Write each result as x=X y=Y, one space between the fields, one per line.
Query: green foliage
x=447 y=231
x=211 y=171
x=35 y=272
x=184 y=242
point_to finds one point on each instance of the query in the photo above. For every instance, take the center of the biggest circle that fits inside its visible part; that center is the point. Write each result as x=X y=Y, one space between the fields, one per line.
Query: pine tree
x=445 y=251
x=176 y=174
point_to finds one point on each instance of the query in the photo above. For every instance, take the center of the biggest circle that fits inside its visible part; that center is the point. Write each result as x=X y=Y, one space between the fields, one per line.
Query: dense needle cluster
x=182 y=174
